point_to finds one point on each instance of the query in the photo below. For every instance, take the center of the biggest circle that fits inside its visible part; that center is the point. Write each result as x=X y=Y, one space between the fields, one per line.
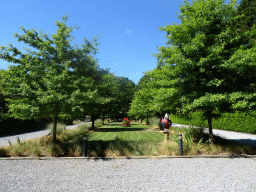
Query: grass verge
x=113 y=140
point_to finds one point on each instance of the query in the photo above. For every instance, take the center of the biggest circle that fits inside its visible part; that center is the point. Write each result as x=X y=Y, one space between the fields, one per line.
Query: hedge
x=237 y=121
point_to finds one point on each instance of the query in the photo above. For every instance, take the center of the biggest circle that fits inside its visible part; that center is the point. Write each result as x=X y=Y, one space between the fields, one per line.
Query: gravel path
x=27 y=136
x=190 y=174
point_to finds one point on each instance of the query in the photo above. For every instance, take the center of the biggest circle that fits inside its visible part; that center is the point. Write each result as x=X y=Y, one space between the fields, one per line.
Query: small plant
x=98 y=123
x=60 y=127
x=18 y=140
x=37 y=151
x=126 y=122
x=10 y=143
x=154 y=122
x=76 y=122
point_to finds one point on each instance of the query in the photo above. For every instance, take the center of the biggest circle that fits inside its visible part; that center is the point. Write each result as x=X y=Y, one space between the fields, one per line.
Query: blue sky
x=128 y=29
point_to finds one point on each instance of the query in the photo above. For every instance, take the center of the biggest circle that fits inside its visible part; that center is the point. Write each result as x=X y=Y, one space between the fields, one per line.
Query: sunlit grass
x=113 y=140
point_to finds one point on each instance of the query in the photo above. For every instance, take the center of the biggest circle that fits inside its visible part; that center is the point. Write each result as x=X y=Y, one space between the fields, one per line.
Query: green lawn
x=136 y=132
x=116 y=140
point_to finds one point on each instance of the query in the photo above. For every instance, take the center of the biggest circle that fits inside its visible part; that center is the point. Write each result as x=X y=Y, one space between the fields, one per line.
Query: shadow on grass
x=119 y=124
x=102 y=149
x=103 y=129
x=113 y=124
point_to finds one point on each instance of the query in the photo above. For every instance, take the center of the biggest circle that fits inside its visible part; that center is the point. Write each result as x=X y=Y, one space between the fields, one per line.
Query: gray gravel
x=195 y=174
x=27 y=136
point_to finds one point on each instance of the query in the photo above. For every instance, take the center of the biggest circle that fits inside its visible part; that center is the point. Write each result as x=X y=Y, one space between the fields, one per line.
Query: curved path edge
x=26 y=136
x=243 y=138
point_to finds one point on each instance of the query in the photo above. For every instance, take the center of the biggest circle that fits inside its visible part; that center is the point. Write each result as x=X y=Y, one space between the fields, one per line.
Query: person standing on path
x=166 y=123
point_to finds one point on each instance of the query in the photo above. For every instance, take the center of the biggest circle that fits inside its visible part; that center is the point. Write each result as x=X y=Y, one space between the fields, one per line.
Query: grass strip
x=113 y=140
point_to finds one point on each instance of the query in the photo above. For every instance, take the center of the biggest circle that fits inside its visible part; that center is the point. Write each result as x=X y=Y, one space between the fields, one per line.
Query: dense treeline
x=60 y=82
x=208 y=64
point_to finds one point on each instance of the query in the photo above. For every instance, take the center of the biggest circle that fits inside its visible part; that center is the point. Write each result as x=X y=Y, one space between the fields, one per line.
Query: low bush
x=60 y=127
x=98 y=123
x=155 y=122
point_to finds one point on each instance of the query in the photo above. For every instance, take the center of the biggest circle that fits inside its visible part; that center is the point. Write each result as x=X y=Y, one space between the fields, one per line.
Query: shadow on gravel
x=246 y=142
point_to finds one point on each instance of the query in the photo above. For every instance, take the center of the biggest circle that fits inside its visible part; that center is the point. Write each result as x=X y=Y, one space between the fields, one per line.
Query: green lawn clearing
x=113 y=140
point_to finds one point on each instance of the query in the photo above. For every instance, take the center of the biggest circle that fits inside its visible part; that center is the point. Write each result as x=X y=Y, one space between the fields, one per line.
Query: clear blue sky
x=128 y=28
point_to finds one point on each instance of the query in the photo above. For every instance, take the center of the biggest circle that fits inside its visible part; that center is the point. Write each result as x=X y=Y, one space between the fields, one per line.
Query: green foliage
x=165 y=96
x=141 y=104
x=155 y=122
x=237 y=121
x=245 y=22
x=98 y=123
x=43 y=84
x=209 y=67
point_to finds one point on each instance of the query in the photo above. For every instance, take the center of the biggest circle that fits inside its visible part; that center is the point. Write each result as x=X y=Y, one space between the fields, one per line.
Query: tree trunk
x=159 y=124
x=103 y=120
x=54 y=128
x=209 y=115
x=147 y=122
x=92 y=117
x=141 y=120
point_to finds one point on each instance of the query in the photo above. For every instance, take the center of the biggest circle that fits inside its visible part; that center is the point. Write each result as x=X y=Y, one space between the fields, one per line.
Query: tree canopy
x=60 y=81
x=205 y=64
x=53 y=81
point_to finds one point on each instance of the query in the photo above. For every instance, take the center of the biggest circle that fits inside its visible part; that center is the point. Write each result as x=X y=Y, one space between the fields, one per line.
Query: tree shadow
x=99 y=148
x=119 y=124
x=103 y=129
x=114 y=124
x=237 y=146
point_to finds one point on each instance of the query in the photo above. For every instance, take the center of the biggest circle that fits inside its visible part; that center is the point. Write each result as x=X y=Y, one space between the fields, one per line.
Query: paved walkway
x=244 y=138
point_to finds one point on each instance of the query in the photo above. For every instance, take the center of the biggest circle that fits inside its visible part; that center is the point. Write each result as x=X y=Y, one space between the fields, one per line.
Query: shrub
x=60 y=127
x=98 y=123
x=154 y=122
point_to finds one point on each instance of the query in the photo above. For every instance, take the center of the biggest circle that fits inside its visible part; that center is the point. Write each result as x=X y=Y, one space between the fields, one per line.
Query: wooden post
x=166 y=136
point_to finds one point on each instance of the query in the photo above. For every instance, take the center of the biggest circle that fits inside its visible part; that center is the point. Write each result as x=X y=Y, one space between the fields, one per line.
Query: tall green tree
x=44 y=80
x=246 y=11
x=126 y=89
x=143 y=80
x=141 y=104
x=3 y=102
x=165 y=95
x=213 y=70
